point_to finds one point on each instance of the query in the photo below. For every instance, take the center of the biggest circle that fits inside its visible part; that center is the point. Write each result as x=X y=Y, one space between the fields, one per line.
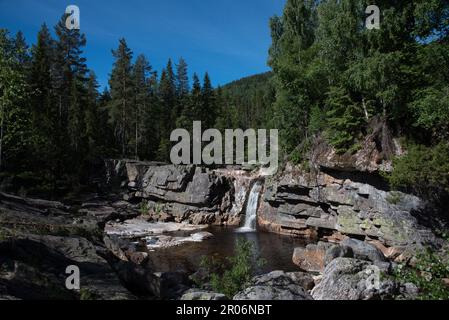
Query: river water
x=276 y=250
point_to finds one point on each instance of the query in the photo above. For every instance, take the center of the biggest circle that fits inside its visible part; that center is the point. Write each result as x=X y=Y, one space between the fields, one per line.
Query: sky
x=227 y=38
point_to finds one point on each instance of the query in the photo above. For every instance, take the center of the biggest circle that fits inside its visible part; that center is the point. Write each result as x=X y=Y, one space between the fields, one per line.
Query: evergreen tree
x=122 y=92
x=143 y=109
x=92 y=117
x=69 y=81
x=168 y=112
x=182 y=80
x=208 y=103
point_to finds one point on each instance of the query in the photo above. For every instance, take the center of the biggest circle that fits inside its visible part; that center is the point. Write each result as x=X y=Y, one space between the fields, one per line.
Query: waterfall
x=251 y=209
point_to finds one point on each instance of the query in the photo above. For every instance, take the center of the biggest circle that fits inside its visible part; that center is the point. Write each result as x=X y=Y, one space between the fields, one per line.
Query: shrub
x=232 y=275
x=422 y=171
x=427 y=274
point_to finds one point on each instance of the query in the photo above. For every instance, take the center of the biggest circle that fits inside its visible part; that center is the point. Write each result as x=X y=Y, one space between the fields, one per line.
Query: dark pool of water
x=276 y=250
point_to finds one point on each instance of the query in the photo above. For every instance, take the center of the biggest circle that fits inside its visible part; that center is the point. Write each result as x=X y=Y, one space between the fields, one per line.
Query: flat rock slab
x=164 y=241
x=138 y=228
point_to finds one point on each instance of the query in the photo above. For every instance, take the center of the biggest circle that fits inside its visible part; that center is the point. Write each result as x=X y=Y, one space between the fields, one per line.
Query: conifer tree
x=122 y=92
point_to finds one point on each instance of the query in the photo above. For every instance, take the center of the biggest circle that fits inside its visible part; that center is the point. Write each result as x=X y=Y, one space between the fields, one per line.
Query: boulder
x=312 y=257
x=364 y=251
x=337 y=252
x=352 y=279
x=277 y=285
x=202 y=295
x=36 y=268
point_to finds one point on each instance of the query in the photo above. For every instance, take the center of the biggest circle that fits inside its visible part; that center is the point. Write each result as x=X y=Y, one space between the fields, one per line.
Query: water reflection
x=276 y=250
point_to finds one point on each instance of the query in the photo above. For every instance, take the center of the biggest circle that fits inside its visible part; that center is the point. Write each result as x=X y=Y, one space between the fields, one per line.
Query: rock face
x=352 y=279
x=278 y=285
x=39 y=239
x=335 y=205
x=184 y=193
x=33 y=267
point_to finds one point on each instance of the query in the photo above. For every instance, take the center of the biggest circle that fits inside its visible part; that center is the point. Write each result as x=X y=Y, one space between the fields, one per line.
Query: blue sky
x=227 y=38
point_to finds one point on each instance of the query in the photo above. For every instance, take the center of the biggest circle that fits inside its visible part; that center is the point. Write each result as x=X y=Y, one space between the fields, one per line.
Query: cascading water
x=251 y=209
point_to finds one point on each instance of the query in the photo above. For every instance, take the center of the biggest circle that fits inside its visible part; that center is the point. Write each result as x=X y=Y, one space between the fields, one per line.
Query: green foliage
x=231 y=276
x=143 y=208
x=394 y=198
x=427 y=274
x=344 y=120
x=246 y=103
x=422 y=170
x=332 y=74
x=87 y=294
x=431 y=107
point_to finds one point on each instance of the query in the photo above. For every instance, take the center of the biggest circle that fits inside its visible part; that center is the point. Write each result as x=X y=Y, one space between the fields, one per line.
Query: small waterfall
x=251 y=209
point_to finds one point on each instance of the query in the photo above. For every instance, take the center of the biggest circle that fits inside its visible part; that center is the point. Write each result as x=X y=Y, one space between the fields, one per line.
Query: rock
x=139 y=258
x=36 y=269
x=391 y=253
x=139 y=228
x=311 y=258
x=276 y=285
x=201 y=236
x=337 y=252
x=202 y=295
x=344 y=203
x=188 y=193
x=409 y=291
x=171 y=285
x=364 y=251
x=167 y=241
x=446 y=282
x=352 y=279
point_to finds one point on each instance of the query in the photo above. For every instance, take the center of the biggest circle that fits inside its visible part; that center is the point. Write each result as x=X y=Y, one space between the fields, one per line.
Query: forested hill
x=247 y=101
x=249 y=84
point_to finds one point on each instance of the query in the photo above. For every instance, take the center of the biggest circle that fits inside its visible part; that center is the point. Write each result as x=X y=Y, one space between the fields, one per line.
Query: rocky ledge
x=332 y=206
x=191 y=194
x=39 y=239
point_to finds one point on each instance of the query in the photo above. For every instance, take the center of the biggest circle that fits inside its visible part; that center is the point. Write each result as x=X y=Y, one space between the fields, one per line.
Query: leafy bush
x=422 y=170
x=230 y=276
x=427 y=274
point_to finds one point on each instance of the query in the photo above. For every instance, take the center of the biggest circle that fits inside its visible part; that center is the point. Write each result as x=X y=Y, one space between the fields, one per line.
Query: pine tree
x=208 y=103
x=44 y=111
x=168 y=112
x=143 y=108
x=122 y=92
x=22 y=54
x=92 y=116
x=70 y=78
x=182 y=79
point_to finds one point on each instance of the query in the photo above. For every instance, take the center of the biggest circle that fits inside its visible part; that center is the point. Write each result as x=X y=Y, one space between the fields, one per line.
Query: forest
x=331 y=78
